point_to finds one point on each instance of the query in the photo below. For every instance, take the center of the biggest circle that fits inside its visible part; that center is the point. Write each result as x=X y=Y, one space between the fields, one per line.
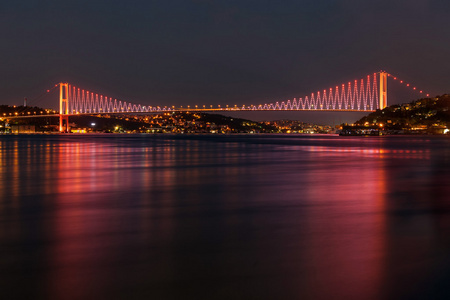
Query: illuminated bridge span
x=366 y=94
x=360 y=95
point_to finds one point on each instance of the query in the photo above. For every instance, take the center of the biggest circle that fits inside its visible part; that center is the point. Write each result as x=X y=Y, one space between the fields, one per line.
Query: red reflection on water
x=76 y=224
x=344 y=249
x=90 y=226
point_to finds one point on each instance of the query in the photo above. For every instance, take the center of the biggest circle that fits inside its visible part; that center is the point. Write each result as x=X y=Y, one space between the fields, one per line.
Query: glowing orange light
x=428 y=95
x=407 y=84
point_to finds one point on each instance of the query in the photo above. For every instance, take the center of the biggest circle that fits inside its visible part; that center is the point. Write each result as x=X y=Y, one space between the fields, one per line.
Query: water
x=224 y=217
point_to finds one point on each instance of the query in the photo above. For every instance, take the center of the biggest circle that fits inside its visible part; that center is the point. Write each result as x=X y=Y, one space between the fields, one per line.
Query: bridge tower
x=64 y=107
x=383 y=90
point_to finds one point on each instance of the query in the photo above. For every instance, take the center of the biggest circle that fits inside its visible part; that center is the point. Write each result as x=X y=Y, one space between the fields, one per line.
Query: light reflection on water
x=120 y=216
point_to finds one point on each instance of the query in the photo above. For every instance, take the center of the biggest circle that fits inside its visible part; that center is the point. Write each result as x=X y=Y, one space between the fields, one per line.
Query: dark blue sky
x=219 y=52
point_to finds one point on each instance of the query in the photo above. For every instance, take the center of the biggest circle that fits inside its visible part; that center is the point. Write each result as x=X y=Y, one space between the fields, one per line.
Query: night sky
x=220 y=52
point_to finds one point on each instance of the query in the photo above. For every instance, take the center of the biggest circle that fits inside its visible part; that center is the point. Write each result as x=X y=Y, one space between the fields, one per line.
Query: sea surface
x=224 y=217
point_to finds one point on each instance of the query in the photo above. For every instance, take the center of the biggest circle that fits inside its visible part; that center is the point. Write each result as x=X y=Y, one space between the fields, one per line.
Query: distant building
x=23 y=129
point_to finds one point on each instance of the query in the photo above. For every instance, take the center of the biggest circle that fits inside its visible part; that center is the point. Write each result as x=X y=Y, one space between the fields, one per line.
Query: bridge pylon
x=64 y=107
x=383 y=90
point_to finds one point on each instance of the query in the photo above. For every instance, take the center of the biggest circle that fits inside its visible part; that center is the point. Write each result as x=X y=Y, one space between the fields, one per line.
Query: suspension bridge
x=366 y=94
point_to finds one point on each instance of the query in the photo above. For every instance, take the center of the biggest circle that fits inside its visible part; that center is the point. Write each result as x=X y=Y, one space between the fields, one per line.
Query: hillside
x=430 y=115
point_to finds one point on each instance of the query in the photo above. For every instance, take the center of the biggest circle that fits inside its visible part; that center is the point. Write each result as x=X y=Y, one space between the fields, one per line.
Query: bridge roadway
x=183 y=110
